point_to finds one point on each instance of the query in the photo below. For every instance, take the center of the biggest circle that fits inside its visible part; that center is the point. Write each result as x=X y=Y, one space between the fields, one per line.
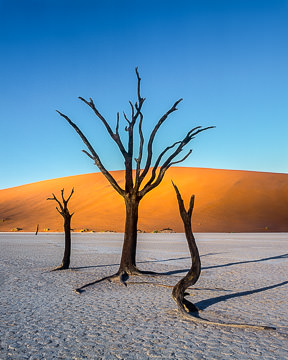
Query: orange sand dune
x=226 y=201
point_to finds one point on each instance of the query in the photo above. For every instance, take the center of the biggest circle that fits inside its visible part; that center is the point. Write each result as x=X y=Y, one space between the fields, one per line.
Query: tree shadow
x=180 y=271
x=283 y=256
x=142 y=262
x=203 y=304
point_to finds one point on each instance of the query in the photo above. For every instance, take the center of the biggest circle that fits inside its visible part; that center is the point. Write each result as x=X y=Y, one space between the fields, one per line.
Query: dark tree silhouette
x=63 y=211
x=135 y=188
x=186 y=308
x=192 y=276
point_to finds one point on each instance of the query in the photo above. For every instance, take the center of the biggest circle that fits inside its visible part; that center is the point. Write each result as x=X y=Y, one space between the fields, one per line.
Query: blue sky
x=228 y=60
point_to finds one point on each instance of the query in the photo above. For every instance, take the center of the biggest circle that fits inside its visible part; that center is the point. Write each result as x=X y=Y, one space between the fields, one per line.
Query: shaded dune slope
x=226 y=201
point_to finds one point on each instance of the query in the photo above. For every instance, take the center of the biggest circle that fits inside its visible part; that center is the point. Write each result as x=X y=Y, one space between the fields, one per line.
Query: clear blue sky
x=228 y=60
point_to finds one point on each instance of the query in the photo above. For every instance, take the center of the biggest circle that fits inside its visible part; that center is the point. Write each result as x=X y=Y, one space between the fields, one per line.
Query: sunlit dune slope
x=225 y=201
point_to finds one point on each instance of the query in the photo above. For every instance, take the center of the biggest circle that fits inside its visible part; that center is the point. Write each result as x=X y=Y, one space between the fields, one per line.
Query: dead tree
x=135 y=188
x=192 y=276
x=186 y=308
x=63 y=211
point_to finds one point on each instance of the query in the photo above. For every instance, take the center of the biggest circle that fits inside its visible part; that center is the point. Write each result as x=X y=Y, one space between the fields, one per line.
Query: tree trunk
x=67 y=252
x=128 y=259
x=192 y=276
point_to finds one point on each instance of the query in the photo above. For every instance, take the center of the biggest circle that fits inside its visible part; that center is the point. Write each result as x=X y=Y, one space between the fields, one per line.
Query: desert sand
x=243 y=280
x=226 y=201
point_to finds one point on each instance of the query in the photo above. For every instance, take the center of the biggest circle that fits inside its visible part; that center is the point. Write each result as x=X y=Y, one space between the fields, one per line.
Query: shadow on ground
x=204 y=304
x=173 y=272
x=141 y=262
x=180 y=271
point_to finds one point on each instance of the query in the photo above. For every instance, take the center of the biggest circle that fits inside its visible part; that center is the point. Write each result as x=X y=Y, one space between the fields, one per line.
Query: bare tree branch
x=87 y=153
x=168 y=163
x=181 y=160
x=83 y=137
x=126 y=118
x=117 y=124
x=153 y=174
x=72 y=192
x=62 y=195
x=190 y=135
x=100 y=116
x=141 y=100
x=151 y=139
x=130 y=129
x=115 y=136
x=164 y=169
x=132 y=109
x=138 y=87
x=183 y=212
x=138 y=160
x=59 y=203
x=94 y=156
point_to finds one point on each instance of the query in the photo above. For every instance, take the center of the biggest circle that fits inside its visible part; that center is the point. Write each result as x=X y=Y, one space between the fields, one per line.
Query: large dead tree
x=146 y=178
x=64 y=212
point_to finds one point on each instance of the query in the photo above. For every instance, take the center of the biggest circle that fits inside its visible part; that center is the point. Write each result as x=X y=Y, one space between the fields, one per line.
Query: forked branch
x=115 y=136
x=152 y=183
x=59 y=203
x=151 y=140
x=63 y=206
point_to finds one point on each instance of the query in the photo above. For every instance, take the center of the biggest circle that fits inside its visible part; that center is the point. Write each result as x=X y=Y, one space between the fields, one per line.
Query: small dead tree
x=192 y=276
x=63 y=211
x=135 y=188
x=186 y=308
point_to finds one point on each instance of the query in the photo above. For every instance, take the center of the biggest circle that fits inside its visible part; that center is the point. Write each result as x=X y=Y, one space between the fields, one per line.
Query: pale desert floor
x=244 y=280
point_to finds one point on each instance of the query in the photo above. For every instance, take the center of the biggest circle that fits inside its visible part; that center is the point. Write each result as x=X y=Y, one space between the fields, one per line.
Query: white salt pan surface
x=243 y=279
